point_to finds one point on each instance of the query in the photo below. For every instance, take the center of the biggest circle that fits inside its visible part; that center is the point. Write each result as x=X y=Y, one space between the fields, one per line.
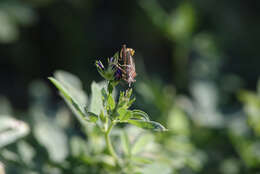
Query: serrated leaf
x=73 y=104
x=139 y=114
x=152 y=125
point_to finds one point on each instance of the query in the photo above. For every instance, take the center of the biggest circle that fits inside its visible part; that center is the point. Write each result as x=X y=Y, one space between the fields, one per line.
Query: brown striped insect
x=128 y=67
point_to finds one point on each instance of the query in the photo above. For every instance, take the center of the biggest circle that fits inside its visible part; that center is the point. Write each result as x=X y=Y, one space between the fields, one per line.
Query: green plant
x=104 y=110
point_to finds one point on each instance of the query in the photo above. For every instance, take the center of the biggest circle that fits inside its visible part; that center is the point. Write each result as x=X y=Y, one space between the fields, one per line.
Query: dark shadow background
x=72 y=34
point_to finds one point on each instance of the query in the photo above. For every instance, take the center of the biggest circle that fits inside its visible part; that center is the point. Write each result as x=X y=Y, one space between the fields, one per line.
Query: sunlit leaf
x=103 y=117
x=125 y=143
x=76 y=108
x=141 y=143
x=178 y=122
x=73 y=84
x=92 y=117
x=104 y=95
x=52 y=137
x=139 y=114
x=158 y=167
x=9 y=155
x=78 y=146
x=26 y=152
x=125 y=100
x=141 y=160
x=111 y=102
x=11 y=130
x=96 y=98
x=124 y=114
x=152 y=125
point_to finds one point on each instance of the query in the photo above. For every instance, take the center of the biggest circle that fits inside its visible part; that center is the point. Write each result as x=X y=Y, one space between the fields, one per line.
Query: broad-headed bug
x=128 y=68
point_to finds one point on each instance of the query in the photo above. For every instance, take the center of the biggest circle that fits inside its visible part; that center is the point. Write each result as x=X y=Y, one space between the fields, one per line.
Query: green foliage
x=189 y=144
x=104 y=110
x=147 y=124
x=73 y=103
x=103 y=100
x=246 y=142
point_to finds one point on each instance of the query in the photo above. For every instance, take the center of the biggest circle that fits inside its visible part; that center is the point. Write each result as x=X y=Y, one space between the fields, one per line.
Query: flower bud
x=112 y=72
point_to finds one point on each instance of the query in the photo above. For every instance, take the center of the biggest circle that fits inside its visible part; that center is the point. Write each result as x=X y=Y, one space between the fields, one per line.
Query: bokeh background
x=197 y=59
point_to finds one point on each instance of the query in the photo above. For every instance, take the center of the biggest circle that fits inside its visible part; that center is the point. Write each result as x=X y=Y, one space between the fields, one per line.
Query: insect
x=128 y=67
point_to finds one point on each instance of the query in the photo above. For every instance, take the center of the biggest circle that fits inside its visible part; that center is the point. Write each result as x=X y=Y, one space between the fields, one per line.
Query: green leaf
x=52 y=137
x=102 y=117
x=111 y=102
x=73 y=104
x=11 y=130
x=124 y=99
x=60 y=87
x=178 y=122
x=104 y=95
x=125 y=143
x=26 y=152
x=139 y=114
x=147 y=124
x=78 y=146
x=142 y=142
x=141 y=160
x=73 y=84
x=96 y=98
x=110 y=87
x=124 y=114
x=92 y=117
x=130 y=102
x=128 y=93
x=158 y=167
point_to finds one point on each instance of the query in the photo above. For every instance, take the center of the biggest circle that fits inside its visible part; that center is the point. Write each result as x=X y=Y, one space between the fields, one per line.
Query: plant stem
x=108 y=142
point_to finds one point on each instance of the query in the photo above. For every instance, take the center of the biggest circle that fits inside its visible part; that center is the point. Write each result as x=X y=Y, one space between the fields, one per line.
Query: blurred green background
x=197 y=64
